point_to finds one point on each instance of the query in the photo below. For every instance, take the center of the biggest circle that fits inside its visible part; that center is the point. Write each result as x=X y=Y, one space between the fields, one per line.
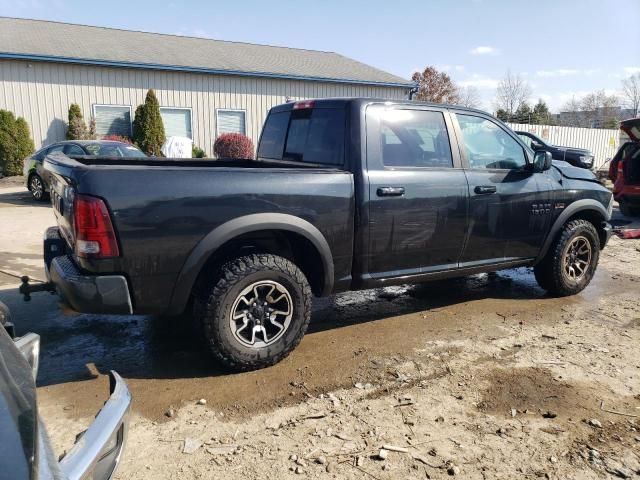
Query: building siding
x=41 y=92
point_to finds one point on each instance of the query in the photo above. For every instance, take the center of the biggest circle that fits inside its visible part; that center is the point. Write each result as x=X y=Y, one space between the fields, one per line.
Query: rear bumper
x=84 y=293
x=89 y=293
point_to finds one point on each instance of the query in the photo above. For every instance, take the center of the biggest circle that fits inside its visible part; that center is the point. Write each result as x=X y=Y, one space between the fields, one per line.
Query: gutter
x=183 y=68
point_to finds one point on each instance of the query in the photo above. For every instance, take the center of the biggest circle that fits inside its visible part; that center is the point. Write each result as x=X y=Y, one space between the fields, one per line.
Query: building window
x=177 y=121
x=113 y=119
x=231 y=121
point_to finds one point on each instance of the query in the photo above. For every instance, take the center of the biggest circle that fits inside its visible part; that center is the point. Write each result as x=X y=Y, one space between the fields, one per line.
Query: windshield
x=114 y=150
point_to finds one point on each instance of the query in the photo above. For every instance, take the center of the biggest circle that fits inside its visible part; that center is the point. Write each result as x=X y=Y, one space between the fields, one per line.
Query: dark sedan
x=578 y=157
x=35 y=176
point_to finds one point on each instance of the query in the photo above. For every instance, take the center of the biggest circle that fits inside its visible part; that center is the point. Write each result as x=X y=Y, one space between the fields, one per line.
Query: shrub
x=197 y=152
x=77 y=128
x=149 y=128
x=233 y=145
x=118 y=138
x=15 y=143
x=138 y=120
x=24 y=142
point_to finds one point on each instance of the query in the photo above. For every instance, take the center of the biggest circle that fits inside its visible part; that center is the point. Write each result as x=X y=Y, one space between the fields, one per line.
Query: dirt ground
x=483 y=377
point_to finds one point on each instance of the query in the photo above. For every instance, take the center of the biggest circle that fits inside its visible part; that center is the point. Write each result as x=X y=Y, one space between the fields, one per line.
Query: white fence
x=602 y=142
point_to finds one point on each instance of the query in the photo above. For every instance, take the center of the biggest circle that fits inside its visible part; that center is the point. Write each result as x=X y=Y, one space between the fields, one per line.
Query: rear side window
x=306 y=135
x=414 y=138
x=273 y=136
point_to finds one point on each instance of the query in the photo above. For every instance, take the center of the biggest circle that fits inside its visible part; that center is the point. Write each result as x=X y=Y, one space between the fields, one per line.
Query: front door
x=417 y=193
x=509 y=205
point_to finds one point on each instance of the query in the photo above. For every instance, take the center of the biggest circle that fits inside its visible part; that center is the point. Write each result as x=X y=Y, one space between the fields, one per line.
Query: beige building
x=205 y=87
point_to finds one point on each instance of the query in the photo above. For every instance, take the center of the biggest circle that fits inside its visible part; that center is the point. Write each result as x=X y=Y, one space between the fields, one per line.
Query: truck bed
x=163 y=208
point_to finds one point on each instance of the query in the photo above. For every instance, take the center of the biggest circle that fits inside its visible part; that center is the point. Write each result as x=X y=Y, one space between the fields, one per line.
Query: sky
x=562 y=48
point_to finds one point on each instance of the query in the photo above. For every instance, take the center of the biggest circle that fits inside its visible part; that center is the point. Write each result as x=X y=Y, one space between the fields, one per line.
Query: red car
x=624 y=170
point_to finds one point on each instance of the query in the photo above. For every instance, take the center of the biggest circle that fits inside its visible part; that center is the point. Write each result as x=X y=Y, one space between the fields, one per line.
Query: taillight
x=620 y=168
x=95 y=236
x=303 y=104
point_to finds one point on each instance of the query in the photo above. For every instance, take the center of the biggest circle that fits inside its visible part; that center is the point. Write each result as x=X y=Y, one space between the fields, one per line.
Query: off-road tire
x=213 y=309
x=550 y=272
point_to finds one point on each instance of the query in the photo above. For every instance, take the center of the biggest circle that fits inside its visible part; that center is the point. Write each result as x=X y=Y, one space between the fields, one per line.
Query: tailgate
x=62 y=189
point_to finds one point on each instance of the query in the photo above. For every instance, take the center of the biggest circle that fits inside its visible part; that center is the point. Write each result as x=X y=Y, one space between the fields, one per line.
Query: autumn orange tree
x=434 y=86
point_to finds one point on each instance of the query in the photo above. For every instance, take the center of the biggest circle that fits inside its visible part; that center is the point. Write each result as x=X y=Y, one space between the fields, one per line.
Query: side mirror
x=535 y=145
x=542 y=161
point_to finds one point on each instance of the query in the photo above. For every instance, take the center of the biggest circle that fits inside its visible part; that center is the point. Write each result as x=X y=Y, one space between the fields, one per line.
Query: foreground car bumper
x=89 y=293
x=99 y=450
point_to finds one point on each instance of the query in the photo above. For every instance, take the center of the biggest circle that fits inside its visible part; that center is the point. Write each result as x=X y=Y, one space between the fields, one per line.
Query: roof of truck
x=83 y=44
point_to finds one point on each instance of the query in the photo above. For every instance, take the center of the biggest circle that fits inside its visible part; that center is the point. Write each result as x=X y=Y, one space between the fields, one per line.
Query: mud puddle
x=166 y=366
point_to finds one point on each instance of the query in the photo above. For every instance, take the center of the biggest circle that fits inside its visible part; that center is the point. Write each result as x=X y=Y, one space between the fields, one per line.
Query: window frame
x=528 y=156
x=181 y=108
x=244 y=113
x=95 y=116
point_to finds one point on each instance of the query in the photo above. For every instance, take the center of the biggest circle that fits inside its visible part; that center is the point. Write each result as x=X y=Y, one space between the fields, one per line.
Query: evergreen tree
x=523 y=113
x=502 y=115
x=152 y=128
x=138 y=121
x=24 y=142
x=77 y=129
x=540 y=114
x=15 y=143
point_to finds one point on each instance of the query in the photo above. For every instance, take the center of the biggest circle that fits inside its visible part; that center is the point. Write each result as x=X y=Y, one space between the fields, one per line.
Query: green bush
x=148 y=127
x=197 y=152
x=77 y=128
x=15 y=143
x=138 y=121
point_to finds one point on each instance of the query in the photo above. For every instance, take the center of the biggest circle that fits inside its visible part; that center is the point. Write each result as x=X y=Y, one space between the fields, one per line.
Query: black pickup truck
x=344 y=194
x=578 y=157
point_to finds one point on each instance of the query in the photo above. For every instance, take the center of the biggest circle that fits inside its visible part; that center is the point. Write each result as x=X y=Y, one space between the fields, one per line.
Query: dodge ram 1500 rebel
x=344 y=194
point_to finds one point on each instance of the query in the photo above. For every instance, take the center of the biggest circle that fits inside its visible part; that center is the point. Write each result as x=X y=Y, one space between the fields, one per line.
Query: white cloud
x=483 y=51
x=631 y=70
x=565 y=72
x=479 y=81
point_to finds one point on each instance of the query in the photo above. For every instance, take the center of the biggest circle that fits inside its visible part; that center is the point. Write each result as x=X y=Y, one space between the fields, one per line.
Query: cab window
x=414 y=138
x=488 y=146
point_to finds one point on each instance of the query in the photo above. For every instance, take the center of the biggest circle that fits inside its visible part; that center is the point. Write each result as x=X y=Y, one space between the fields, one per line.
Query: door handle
x=484 y=189
x=390 y=191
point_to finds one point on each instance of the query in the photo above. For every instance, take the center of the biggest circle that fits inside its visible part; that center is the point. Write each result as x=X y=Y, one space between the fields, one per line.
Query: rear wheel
x=256 y=311
x=571 y=261
x=36 y=187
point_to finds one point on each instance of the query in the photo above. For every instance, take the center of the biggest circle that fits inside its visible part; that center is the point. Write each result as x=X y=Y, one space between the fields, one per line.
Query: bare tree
x=594 y=110
x=469 y=96
x=511 y=93
x=631 y=93
x=435 y=86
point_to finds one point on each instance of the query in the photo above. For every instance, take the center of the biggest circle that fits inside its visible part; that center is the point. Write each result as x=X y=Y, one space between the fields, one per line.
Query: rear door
x=417 y=192
x=509 y=205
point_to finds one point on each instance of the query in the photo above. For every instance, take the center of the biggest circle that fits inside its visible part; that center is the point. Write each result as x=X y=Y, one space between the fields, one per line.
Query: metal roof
x=70 y=43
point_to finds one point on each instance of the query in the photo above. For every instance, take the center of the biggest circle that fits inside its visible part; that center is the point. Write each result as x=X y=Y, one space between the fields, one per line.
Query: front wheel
x=256 y=311
x=36 y=187
x=571 y=261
